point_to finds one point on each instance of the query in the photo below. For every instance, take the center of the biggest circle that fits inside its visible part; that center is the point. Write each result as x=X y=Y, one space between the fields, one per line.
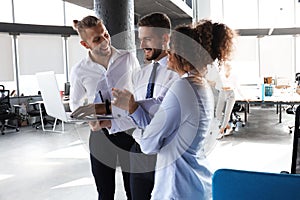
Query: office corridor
x=39 y=165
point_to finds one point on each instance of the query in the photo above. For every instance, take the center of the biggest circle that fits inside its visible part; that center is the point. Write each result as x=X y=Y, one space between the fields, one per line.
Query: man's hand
x=89 y=110
x=124 y=99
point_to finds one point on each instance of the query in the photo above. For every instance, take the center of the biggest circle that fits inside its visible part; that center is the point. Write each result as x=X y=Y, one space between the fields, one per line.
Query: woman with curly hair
x=182 y=121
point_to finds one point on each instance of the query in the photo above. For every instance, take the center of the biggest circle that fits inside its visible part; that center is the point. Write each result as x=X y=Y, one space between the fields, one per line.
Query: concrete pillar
x=118 y=17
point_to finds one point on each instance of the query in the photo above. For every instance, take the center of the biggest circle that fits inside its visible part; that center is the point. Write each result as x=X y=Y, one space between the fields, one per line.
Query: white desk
x=279 y=100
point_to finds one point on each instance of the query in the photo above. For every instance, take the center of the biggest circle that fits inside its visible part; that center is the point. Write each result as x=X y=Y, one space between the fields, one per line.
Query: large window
x=6 y=11
x=75 y=12
x=246 y=60
x=276 y=55
x=38 y=52
x=276 y=13
x=257 y=57
x=240 y=14
x=297 y=13
x=46 y=12
x=259 y=14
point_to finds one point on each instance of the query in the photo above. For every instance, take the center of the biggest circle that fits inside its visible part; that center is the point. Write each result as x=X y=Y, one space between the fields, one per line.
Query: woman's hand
x=124 y=99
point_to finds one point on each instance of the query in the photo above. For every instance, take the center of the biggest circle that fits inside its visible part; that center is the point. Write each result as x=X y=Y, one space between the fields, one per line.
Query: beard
x=156 y=53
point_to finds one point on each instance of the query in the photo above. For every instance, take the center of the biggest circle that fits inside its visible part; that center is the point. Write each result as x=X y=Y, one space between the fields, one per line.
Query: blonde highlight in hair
x=85 y=23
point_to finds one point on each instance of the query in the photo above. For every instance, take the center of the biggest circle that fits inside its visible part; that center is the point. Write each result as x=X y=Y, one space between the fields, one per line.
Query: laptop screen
x=51 y=95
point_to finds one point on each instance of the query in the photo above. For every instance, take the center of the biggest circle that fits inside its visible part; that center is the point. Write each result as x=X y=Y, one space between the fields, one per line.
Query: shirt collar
x=116 y=53
x=185 y=75
x=162 y=62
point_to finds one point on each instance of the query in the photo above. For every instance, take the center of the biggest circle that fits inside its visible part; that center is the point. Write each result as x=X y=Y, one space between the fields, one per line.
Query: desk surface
x=288 y=99
x=284 y=97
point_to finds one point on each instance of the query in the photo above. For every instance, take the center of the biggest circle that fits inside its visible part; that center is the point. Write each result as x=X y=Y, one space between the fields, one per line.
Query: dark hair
x=86 y=22
x=196 y=46
x=216 y=38
x=156 y=19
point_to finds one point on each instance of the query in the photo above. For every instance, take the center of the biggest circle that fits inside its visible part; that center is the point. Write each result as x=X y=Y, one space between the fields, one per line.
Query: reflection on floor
x=39 y=165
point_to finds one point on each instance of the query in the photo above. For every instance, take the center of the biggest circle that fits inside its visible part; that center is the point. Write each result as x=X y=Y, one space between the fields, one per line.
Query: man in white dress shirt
x=92 y=80
x=176 y=132
x=154 y=35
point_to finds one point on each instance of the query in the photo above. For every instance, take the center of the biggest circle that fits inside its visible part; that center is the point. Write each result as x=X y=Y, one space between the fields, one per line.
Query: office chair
x=235 y=118
x=231 y=184
x=34 y=111
x=6 y=113
x=292 y=109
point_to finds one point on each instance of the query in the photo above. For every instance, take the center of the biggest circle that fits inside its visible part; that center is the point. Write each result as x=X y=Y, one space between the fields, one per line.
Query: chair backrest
x=4 y=101
x=4 y=97
x=238 y=108
x=230 y=184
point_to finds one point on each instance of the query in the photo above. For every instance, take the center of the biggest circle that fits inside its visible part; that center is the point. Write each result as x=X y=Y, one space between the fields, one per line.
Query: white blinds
x=6 y=58
x=40 y=53
x=76 y=50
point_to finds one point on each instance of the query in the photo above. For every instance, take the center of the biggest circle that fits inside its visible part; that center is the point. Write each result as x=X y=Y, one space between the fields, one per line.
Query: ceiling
x=143 y=7
x=180 y=13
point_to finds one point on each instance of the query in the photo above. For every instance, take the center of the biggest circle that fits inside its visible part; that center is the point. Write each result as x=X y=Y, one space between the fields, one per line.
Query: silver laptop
x=52 y=99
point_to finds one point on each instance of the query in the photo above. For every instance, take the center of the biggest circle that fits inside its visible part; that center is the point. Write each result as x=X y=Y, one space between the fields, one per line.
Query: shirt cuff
x=135 y=116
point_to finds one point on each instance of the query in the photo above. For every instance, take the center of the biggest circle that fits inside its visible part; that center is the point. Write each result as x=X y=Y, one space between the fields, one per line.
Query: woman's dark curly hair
x=196 y=46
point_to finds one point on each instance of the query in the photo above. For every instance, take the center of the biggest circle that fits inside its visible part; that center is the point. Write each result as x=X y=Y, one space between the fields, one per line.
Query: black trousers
x=105 y=150
x=142 y=173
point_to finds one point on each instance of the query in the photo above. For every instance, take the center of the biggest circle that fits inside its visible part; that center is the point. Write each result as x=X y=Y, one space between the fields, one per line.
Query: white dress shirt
x=147 y=107
x=232 y=82
x=212 y=75
x=176 y=133
x=88 y=78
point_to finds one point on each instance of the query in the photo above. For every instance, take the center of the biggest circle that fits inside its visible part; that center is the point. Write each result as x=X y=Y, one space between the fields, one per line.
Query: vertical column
x=118 y=17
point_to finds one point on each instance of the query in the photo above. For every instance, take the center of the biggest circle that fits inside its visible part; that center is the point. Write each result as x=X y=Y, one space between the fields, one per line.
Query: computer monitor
x=67 y=89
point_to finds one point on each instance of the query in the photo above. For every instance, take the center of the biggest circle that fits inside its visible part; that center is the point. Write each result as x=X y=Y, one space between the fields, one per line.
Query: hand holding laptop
x=91 y=110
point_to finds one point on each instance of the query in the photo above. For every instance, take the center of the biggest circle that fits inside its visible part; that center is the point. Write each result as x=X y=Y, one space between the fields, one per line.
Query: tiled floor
x=40 y=165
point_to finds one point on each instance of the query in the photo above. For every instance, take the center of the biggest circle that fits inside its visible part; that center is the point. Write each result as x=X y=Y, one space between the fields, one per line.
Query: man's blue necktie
x=150 y=86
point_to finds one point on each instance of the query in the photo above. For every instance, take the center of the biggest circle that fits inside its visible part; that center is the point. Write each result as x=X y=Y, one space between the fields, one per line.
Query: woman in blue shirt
x=176 y=132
